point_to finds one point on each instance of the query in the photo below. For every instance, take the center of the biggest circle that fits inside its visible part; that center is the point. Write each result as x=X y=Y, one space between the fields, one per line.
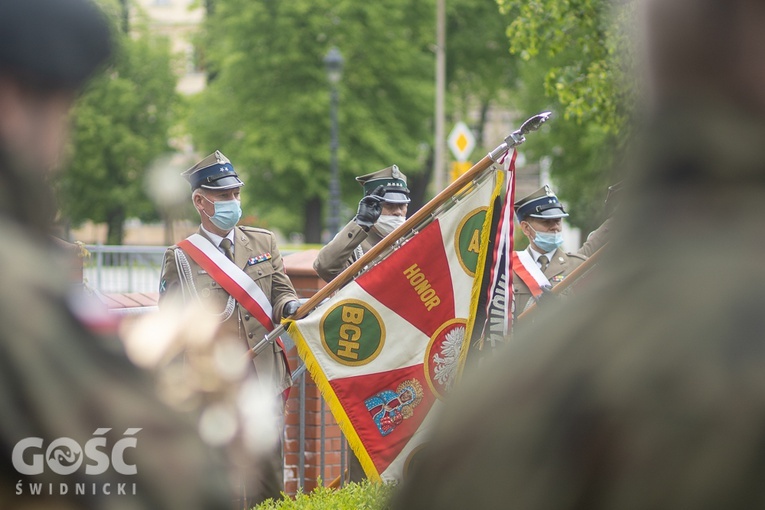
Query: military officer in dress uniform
x=598 y=238
x=215 y=188
x=540 y=216
x=382 y=209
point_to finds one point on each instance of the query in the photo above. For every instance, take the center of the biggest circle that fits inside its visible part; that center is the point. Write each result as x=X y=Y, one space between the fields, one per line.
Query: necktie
x=543 y=262
x=226 y=245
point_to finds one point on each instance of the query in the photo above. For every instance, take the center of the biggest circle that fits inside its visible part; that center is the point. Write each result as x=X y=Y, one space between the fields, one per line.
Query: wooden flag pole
x=516 y=138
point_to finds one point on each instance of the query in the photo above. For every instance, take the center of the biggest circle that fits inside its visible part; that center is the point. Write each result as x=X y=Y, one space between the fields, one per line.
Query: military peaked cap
x=213 y=172
x=392 y=179
x=541 y=204
x=52 y=44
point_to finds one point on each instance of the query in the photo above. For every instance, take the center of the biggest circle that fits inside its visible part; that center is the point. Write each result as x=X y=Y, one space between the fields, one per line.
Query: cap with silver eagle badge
x=214 y=172
x=542 y=204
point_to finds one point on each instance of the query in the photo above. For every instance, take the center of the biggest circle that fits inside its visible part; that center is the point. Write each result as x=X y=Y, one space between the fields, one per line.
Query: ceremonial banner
x=387 y=347
x=494 y=308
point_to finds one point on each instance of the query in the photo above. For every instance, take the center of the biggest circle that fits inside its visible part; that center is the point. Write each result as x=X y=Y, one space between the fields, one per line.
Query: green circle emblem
x=352 y=333
x=467 y=239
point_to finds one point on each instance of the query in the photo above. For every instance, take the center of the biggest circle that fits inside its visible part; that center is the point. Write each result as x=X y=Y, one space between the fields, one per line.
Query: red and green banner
x=388 y=347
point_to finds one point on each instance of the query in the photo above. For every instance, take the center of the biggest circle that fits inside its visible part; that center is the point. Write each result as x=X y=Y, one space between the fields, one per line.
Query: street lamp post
x=334 y=64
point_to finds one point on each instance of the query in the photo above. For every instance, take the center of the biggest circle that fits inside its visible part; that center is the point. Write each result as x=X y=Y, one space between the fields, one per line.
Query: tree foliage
x=267 y=102
x=267 y=107
x=583 y=43
x=573 y=59
x=479 y=69
x=121 y=125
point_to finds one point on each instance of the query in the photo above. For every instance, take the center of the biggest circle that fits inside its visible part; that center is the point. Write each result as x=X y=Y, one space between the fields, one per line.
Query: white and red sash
x=528 y=271
x=231 y=277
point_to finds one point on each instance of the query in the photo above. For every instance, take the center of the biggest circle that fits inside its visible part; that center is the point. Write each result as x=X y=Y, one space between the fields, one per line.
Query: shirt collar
x=216 y=239
x=536 y=254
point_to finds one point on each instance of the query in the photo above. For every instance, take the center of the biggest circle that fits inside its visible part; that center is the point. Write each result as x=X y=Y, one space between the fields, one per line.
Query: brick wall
x=299 y=267
x=312 y=423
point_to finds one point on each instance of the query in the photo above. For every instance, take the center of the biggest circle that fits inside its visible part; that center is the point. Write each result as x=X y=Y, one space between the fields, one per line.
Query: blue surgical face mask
x=227 y=213
x=547 y=241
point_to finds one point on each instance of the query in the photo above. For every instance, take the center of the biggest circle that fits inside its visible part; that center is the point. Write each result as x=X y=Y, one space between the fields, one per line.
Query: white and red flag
x=494 y=314
x=387 y=347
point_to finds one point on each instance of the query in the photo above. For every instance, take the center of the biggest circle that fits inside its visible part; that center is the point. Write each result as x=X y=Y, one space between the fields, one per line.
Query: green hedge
x=364 y=495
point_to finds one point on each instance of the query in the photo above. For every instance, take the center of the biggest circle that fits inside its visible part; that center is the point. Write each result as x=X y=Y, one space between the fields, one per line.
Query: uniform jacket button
x=247 y=317
x=250 y=335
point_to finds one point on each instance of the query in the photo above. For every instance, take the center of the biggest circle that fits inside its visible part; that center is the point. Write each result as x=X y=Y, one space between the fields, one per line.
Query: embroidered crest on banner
x=389 y=408
x=442 y=356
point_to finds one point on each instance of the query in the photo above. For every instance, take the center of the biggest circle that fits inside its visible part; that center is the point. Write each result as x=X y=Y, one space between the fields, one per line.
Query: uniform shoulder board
x=256 y=229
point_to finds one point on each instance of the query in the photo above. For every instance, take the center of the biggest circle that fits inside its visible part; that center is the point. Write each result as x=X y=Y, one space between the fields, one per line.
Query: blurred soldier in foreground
x=647 y=391
x=382 y=209
x=542 y=264
x=80 y=426
x=201 y=268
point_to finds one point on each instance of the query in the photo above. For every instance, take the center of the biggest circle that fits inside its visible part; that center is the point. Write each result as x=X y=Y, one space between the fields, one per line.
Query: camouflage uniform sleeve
x=281 y=286
x=59 y=378
x=335 y=257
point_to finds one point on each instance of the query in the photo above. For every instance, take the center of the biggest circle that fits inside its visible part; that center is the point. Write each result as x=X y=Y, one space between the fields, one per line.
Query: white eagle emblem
x=447 y=360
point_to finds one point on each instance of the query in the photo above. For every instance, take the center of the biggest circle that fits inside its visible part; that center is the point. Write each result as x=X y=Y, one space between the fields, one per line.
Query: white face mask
x=388 y=223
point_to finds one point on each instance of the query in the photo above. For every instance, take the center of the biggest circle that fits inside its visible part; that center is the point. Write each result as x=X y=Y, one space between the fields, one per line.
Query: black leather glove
x=290 y=307
x=370 y=208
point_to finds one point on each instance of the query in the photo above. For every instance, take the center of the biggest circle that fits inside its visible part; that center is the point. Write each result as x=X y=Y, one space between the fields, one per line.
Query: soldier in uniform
x=64 y=378
x=647 y=390
x=382 y=209
x=598 y=238
x=540 y=217
x=215 y=188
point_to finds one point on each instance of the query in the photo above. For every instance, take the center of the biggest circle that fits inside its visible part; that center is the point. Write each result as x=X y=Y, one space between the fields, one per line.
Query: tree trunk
x=125 y=16
x=418 y=186
x=312 y=215
x=115 y=221
x=481 y=127
x=167 y=222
